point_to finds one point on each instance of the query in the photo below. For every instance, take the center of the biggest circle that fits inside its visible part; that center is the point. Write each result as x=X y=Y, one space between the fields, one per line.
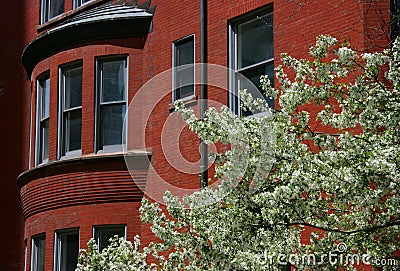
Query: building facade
x=79 y=170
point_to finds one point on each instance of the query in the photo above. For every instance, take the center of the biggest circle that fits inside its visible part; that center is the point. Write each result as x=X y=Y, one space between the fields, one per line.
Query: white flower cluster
x=327 y=158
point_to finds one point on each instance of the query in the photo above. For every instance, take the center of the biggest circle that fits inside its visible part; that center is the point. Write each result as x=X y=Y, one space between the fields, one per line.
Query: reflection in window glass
x=113 y=81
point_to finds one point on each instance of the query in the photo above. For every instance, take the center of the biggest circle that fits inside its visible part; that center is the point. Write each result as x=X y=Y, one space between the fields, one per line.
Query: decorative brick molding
x=86 y=180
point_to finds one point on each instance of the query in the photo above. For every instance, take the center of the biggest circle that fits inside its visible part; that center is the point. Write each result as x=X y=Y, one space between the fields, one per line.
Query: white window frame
x=175 y=45
x=234 y=79
x=62 y=141
x=35 y=249
x=108 y=227
x=45 y=11
x=58 y=246
x=99 y=148
x=78 y=3
x=40 y=121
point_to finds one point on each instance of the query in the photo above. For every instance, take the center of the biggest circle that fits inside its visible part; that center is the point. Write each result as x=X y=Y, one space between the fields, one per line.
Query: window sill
x=86 y=161
x=187 y=101
x=71 y=155
x=111 y=149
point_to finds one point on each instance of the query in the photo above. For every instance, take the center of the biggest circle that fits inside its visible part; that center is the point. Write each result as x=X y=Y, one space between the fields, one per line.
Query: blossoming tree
x=333 y=171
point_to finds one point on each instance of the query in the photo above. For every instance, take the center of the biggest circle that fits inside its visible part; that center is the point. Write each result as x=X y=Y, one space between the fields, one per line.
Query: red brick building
x=66 y=150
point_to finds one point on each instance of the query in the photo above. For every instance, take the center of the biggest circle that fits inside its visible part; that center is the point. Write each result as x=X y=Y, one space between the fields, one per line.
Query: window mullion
x=257 y=65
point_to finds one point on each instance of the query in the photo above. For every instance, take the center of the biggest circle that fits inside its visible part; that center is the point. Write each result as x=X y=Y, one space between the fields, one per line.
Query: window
x=70 y=119
x=51 y=9
x=183 y=68
x=66 y=250
x=102 y=234
x=395 y=13
x=37 y=252
x=78 y=3
x=251 y=55
x=112 y=99
x=42 y=116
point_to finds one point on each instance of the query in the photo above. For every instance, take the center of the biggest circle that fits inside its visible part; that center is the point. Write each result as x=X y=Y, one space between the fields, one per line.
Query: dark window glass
x=102 y=234
x=184 y=68
x=56 y=8
x=51 y=9
x=112 y=117
x=255 y=41
x=67 y=250
x=73 y=130
x=38 y=252
x=395 y=12
x=254 y=75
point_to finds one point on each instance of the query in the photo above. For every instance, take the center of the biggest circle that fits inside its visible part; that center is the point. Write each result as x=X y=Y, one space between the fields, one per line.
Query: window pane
x=255 y=41
x=112 y=119
x=254 y=77
x=73 y=130
x=56 y=8
x=185 y=52
x=38 y=253
x=113 y=81
x=69 y=252
x=66 y=250
x=81 y=2
x=41 y=253
x=73 y=87
x=184 y=81
x=184 y=76
x=103 y=235
x=44 y=140
x=44 y=89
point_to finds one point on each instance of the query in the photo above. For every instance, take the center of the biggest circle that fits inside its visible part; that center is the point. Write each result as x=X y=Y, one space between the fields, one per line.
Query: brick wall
x=296 y=23
x=84 y=218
